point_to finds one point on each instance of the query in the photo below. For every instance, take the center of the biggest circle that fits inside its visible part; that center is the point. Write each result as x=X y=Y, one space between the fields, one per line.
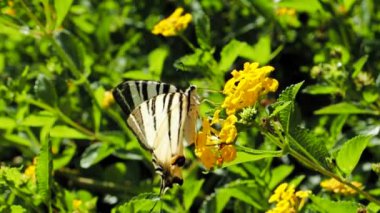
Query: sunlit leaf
x=359 y=66
x=325 y=205
x=142 y=203
x=61 y=131
x=156 y=60
x=322 y=89
x=191 y=188
x=245 y=154
x=278 y=175
x=238 y=189
x=61 y=7
x=39 y=119
x=7 y=123
x=344 y=108
x=349 y=155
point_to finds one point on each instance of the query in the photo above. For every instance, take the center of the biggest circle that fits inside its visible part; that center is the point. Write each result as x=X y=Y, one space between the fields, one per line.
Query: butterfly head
x=171 y=172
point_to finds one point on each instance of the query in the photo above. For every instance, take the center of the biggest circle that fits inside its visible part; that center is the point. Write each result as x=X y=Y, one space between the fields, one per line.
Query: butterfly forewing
x=131 y=94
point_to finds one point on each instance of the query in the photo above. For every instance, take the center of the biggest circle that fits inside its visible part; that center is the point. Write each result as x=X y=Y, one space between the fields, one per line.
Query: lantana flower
x=339 y=188
x=247 y=86
x=174 y=24
x=214 y=147
x=287 y=199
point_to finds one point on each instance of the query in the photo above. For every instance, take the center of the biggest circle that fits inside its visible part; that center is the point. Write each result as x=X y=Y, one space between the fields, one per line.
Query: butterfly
x=163 y=118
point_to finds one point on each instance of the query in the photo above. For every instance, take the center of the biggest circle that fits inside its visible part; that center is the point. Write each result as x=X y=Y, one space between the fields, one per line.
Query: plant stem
x=192 y=47
x=317 y=167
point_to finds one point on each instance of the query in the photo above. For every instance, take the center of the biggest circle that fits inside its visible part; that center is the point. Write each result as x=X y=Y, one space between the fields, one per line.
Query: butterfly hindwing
x=159 y=123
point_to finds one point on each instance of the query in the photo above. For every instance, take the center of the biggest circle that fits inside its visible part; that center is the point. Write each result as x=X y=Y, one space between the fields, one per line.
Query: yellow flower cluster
x=30 y=171
x=108 y=99
x=77 y=203
x=174 y=24
x=210 y=147
x=338 y=187
x=9 y=10
x=286 y=11
x=246 y=86
x=242 y=90
x=287 y=199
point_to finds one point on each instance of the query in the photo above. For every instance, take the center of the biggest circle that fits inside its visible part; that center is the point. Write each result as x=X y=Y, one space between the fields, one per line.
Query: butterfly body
x=162 y=117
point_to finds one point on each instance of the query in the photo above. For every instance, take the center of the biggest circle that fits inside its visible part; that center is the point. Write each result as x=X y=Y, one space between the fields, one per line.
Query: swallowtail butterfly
x=162 y=117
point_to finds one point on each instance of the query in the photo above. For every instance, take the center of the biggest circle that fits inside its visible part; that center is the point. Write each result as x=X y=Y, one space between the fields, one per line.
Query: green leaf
x=44 y=166
x=312 y=5
x=358 y=66
x=260 y=52
x=245 y=154
x=96 y=112
x=202 y=28
x=349 y=155
x=200 y=60
x=321 y=90
x=326 y=206
x=45 y=90
x=39 y=119
x=311 y=146
x=370 y=95
x=264 y=7
x=229 y=54
x=239 y=189
x=7 y=123
x=336 y=129
x=95 y=153
x=344 y=108
x=279 y=106
x=72 y=47
x=139 y=75
x=373 y=207
x=297 y=180
x=191 y=189
x=146 y=202
x=61 y=159
x=16 y=140
x=286 y=115
x=61 y=131
x=61 y=8
x=156 y=60
x=278 y=175
x=17 y=209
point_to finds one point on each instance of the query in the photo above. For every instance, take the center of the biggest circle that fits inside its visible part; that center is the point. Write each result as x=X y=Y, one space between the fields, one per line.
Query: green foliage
x=349 y=154
x=60 y=59
x=287 y=106
x=326 y=205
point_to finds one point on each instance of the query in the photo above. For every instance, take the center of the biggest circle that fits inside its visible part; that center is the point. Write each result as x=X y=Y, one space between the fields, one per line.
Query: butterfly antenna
x=209 y=90
x=210 y=102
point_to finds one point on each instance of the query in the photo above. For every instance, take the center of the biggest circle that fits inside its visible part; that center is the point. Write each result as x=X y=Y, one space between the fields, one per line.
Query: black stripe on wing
x=130 y=94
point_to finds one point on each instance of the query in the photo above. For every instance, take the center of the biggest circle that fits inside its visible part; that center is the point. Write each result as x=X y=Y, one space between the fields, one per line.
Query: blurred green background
x=58 y=59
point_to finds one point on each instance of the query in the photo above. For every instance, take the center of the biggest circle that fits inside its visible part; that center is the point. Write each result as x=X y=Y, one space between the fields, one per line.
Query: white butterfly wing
x=161 y=118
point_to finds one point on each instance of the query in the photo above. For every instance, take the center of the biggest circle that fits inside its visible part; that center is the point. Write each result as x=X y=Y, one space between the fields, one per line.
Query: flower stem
x=192 y=47
x=317 y=167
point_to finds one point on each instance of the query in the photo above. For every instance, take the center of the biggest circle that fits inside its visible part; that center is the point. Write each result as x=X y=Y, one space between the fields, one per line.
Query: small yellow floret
x=174 y=24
